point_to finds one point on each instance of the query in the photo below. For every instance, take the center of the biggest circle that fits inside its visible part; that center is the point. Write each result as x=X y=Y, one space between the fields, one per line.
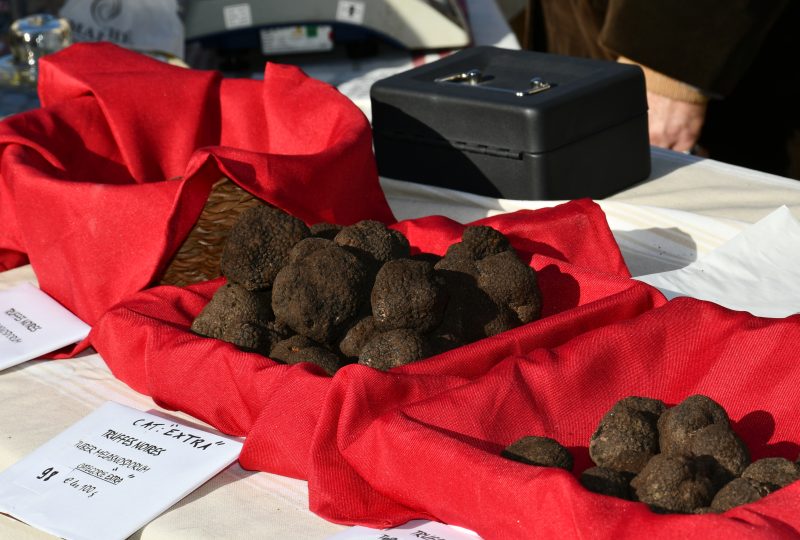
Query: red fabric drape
x=100 y=187
x=301 y=423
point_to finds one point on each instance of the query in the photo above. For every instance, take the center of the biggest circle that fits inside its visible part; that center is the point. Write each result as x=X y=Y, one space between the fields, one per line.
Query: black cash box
x=514 y=124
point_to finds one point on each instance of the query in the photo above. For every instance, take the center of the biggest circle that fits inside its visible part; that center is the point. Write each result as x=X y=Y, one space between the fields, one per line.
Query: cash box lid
x=507 y=100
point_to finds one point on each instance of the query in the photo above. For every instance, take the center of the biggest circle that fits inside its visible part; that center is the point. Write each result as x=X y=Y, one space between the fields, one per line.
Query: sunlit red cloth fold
x=302 y=423
x=100 y=187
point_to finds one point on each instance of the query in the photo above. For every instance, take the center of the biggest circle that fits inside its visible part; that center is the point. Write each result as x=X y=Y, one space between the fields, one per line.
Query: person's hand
x=674 y=124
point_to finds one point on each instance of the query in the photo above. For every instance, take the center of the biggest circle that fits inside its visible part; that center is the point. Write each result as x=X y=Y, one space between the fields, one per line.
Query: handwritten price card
x=111 y=473
x=33 y=324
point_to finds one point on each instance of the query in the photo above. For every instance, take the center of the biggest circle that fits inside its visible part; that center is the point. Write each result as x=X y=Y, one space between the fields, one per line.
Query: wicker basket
x=199 y=256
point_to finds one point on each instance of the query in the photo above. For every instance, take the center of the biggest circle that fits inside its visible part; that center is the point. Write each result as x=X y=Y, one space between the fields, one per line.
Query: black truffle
x=321 y=294
x=258 y=246
x=541 y=451
x=357 y=336
x=373 y=241
x=673 y=484
x=394 y=348
x=299 y=348
x=408 y=294
x=324 y=229
x=774 y=473
x=737 y=492
x=306 y=246
x=678 y=423
x=471 y=314
x=608 y=482
x=231 y=307
x=627 y=436
x=511 y=283
x=477 y=242
x=721 y=443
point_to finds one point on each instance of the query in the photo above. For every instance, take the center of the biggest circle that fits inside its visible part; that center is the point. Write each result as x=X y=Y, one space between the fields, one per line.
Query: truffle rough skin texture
x=511 y=283
x=319 y=295
x=607 y=481
x=299 y=348
x=232 y=305
x=541 y=451
x=324 y=229
x=737 y=492
x=722 y=444
x=774 y=473
x=678 y=423
x=251 y=337
x=307 y=246
x=394 y=348
x=673 y=484
x=471 y=314
x=258 y=246
x=408 y=294
x=357 y=336
x=479 y=241
x=374 y=241
x=627 y=436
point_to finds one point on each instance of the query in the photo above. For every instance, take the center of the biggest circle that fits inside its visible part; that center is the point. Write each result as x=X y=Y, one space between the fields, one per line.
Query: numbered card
x=33 y=324
x=413 y=530
x=111 y=473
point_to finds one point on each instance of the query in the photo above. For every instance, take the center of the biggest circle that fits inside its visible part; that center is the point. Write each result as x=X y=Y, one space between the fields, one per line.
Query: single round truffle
x=479 y=241
x=357 y=336
x=722 y=444
x=231 y=306
x=511 y=283
x=625 y=439
x=608 y=482
x=394 y=348
x=774 y=473
x=258 y=246
x=673 y=484
x=737 y=492
x=299 y=348
x=471 y=314
x=541 y=451
x=319 y=295
x=374 y=241
x=408 y=294
x=678 y=423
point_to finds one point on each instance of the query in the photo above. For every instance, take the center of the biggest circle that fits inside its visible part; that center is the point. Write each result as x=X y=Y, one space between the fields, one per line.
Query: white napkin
x=756 y=271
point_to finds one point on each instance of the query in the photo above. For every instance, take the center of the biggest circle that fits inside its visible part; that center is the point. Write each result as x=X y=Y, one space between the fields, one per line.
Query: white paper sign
x=111 y=473
x=413 y=530
x=756 y=271
x=33 y=324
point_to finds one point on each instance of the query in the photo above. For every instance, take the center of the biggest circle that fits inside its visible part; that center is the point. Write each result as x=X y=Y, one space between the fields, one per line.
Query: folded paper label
x=111 y=473
x=33 y=324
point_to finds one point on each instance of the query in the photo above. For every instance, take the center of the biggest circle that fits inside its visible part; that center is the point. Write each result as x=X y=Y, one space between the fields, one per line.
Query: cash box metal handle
x=474 y=77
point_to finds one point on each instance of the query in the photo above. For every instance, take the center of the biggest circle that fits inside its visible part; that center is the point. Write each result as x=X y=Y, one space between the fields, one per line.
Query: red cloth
x=100 y=187
x=301 y=423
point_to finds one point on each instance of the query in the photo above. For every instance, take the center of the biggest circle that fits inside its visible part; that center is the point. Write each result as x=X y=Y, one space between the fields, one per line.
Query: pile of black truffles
x=683 y=459
x=335 y=295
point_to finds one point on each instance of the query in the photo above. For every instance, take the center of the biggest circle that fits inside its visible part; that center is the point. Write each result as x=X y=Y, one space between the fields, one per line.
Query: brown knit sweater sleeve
x=707 y=44
x=659 y=83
